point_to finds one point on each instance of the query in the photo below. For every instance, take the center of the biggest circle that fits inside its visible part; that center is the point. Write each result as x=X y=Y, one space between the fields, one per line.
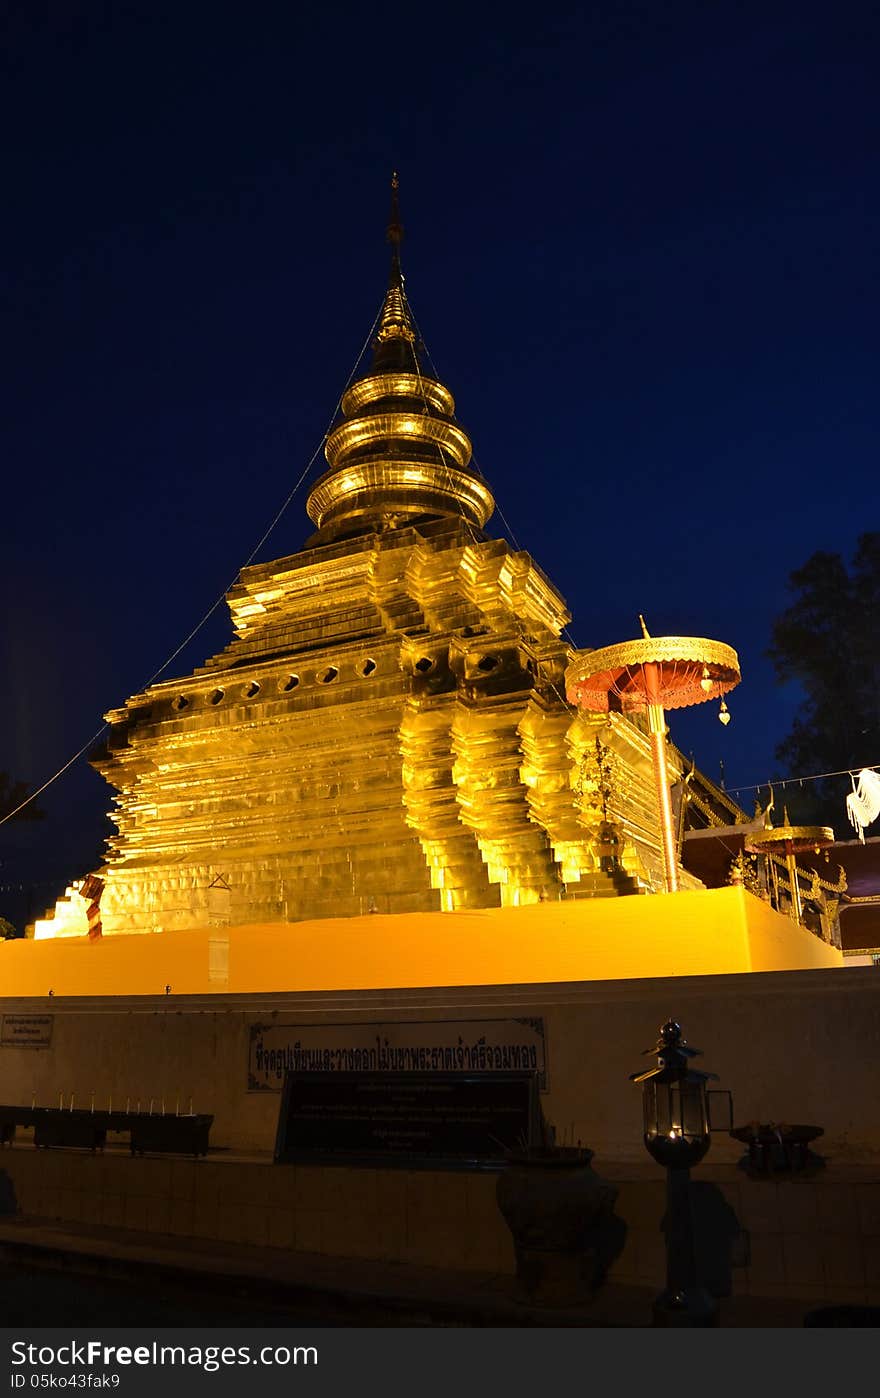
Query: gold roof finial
x=395 y=322
x=394 y=232
x=645 y=632
x=398 y=451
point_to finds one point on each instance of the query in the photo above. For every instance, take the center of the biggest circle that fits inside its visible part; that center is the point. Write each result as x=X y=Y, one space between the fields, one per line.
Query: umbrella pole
x=657 y=734
x=797 y=911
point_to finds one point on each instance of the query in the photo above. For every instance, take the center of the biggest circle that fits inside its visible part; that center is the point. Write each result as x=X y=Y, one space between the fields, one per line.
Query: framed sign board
x=445 y=1120
x=26 y=1031
x=402 y=1046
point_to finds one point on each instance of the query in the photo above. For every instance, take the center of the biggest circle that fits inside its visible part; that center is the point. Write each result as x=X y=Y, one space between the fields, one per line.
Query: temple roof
x=397 y=453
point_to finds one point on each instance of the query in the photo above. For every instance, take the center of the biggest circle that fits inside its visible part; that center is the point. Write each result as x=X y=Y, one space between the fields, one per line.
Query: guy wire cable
x=210 y=612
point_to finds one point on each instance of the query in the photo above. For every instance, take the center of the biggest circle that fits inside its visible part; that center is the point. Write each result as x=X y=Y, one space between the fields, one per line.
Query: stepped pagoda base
x=707 y=932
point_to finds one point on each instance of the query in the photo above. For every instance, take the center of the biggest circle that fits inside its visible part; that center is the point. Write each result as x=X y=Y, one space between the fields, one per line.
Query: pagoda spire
x=398 y=452
x=396 y=343
x=394 y=233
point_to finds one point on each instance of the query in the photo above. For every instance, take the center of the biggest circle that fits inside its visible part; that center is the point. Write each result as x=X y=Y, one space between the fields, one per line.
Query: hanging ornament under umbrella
x=649 y=675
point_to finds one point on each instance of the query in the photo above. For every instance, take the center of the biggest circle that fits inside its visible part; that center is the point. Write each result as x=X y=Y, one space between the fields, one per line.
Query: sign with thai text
x=412 y=1046
x=26 y=1031
x=453 y=1119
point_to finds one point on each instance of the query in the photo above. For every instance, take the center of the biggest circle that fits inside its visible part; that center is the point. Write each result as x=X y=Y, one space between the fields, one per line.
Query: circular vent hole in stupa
x=252 y=690
x=486 y=663
x=181 y=702
x=290 y=683
x=325 y=676
x=368 y=668
x=216 y=696
x=424 y=665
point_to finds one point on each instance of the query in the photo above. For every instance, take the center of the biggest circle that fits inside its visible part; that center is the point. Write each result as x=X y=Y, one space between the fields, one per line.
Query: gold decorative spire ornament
x=394 y=231
x=398 y=453
x=395 y=321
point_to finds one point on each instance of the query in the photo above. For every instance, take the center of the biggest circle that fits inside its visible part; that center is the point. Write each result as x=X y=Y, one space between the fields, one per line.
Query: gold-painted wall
x=707 y=932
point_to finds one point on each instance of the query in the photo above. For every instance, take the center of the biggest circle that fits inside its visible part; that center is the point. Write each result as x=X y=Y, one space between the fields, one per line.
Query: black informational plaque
x=468 y=1120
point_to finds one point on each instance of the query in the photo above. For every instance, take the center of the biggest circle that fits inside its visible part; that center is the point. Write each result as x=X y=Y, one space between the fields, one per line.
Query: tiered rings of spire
x=398 y=453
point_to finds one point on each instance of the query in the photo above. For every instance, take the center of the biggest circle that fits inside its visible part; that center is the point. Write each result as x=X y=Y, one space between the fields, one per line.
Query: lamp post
x=677 y=1135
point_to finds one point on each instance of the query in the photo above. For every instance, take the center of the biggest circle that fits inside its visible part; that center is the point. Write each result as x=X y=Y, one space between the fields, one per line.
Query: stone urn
x=558 y=1210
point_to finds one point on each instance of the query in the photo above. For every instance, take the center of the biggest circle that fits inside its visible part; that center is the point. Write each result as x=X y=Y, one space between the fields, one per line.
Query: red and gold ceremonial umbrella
x=791 y=840
x=652 y=674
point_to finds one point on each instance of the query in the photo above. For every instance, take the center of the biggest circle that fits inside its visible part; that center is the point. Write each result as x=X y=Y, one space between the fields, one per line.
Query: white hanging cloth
x=863 y=802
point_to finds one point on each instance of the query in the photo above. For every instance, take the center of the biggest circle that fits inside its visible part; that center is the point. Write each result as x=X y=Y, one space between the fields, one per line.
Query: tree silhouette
x=827 y=640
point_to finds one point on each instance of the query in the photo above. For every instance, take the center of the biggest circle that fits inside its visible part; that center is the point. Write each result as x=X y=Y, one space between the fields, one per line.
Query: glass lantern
x=675 y=1102
x=676 y=1119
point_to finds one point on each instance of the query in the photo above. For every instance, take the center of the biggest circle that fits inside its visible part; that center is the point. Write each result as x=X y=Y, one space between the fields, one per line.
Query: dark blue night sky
x=641 y=241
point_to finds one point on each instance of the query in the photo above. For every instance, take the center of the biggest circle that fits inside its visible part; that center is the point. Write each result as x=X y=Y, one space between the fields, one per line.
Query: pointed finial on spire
x=645 y=632
x=394 y=232
x=395 y=321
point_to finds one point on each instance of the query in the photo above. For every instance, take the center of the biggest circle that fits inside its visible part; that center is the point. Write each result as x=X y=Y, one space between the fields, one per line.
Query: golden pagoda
x=388 y=729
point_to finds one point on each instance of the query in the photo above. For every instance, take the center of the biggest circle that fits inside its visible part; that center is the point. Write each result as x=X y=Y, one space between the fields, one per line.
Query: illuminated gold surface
x=387 y=731
x=715 y=931
x=68 y=918
x=657 y=733
x=378 y=386
x=403 y=487
x=800 y=837
x=395 y=321
x=398 y=451
x=364 y=433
